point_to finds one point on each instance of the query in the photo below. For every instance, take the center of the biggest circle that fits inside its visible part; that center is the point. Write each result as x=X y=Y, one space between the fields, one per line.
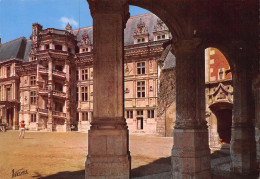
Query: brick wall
x=217 y=61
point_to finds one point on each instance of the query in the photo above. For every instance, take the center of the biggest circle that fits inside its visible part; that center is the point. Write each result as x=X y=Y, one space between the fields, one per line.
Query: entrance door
x=140 y=123
x=224 y=119
x=9 y=117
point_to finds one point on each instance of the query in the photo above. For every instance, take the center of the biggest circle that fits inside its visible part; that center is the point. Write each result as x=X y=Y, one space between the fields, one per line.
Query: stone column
x=190 y=152
x=243 y=147
x=108 y=140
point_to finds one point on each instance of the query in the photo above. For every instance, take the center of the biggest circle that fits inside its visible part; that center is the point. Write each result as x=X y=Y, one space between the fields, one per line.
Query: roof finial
x=68 y=27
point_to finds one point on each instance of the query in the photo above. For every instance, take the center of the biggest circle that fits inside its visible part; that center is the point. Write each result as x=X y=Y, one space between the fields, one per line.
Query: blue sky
x=17 y=16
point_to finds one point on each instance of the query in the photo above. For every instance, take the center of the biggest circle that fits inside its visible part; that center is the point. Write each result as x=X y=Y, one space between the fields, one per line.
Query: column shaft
x=108 y=141
x=243 y=147
x=190 y=153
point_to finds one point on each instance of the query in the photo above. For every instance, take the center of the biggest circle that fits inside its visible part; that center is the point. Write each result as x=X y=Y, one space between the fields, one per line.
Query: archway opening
x=219 y=97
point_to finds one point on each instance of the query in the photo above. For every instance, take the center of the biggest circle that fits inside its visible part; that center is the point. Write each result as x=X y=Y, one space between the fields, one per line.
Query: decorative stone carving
x=160 y=26
x=85 y=40
x=141 y=28
x=221 y=94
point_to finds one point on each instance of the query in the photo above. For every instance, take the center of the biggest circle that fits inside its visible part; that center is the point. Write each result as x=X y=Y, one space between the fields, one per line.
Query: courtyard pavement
x=63 y=155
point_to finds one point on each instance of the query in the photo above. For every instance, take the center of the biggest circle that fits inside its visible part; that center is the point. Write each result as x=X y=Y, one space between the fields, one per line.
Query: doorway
x=224 y=123
x=9 y=117
x=140 y=123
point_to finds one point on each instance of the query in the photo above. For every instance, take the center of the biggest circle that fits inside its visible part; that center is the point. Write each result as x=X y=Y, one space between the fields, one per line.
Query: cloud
x=65 y=20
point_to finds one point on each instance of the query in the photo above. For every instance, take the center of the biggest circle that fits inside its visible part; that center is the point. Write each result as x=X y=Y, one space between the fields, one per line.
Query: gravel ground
x=63 y=155
x=47 y=155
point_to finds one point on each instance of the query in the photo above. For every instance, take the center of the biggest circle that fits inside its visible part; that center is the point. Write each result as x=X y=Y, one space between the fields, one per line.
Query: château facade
x=47 y=81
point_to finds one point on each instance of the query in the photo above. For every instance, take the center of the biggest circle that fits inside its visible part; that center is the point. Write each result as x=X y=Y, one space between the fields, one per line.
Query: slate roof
x=14 y=49
x=20 y=48
x=169 y=60
x=149 y=19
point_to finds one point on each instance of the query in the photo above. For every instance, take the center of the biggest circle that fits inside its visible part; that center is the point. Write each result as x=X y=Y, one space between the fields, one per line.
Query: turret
x=36 y=28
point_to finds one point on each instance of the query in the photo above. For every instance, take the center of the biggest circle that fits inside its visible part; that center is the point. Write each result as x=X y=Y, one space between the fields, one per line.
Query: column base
x=108 y=155
x=191 y=154
x=243 y=150
x=112 y=167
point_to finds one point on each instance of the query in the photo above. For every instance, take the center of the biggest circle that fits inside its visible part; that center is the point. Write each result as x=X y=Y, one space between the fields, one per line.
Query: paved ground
x=63 y=155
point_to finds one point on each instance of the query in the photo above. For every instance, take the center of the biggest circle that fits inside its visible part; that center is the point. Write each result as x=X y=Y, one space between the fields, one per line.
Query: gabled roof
x=14 y=49
x=149 y=19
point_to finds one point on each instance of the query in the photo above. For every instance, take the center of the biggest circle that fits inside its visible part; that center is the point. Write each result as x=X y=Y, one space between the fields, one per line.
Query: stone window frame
x=33 y=117
x=32 y=97
x=150 y=113
x=8 y=72
x=129 y=114
x=8 y=94
x=84 y=74
x=140 y=68
x=33 y=80
x=84 y=116
x=140 y=89
x=84 y=93
x=140 y=40
x=140 y=113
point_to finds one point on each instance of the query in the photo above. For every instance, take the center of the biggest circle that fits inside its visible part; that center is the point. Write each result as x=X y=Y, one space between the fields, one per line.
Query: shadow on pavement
x=158 y=166
x=64 y=175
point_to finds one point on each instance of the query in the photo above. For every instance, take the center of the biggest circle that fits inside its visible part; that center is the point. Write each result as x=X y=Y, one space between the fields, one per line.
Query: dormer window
x=160 y=31
x=85 y=43
x=141 y=34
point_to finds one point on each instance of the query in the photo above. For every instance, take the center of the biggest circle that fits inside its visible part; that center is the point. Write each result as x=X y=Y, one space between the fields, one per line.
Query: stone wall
x=166 y=102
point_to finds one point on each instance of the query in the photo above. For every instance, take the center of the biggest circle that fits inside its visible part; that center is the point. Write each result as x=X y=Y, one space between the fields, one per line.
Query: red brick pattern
x=220 y=61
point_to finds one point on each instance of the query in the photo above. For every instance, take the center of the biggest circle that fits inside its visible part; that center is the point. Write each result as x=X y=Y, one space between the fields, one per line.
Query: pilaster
x=50 y=98
x=16 y=122
x=190 y=152
x=256 y=88
x=108 y=147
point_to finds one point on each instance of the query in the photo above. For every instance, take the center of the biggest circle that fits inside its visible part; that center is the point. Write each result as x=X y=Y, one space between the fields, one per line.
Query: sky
x=17 y=16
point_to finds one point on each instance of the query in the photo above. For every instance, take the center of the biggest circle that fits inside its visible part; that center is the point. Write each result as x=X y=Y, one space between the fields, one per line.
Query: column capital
x=190 y=124
x=184 y=46
x=110 y=7
x=108 y=123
